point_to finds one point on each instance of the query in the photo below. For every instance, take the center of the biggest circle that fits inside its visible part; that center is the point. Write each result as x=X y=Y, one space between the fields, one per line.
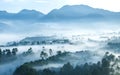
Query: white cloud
x=41 y=1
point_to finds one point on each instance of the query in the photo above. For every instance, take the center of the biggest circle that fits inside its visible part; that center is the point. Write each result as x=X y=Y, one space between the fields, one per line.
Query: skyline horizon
x=57 y=8
x=45 y=6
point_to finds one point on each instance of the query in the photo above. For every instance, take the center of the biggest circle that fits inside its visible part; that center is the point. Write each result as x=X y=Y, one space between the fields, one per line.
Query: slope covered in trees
x=109 y=65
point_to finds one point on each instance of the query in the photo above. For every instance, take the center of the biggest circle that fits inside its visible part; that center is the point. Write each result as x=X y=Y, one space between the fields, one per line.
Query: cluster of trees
x=44 y=54
x=103 y=67
x=113 y=45
x=45 y=61
x=11 y=54
x=25 y=70
x=107 y=66
x=28 y=52
x=54 y=41
x=7 y=54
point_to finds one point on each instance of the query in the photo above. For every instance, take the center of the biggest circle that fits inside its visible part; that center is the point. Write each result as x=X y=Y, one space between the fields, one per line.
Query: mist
x=85 y=35
x=20 y=29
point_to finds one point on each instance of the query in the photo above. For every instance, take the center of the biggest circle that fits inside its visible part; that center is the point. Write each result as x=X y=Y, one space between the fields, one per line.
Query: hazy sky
x=47 y=5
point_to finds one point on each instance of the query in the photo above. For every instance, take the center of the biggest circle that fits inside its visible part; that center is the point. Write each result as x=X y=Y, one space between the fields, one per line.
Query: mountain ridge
x=23 y=14
x=66 y=12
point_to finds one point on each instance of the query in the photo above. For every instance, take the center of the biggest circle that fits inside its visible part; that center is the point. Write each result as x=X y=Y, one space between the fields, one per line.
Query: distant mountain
x=80 y=12
x=5 y=15
x=40 y=40
x=28 y=14
x=22 y=15
x=68 y=12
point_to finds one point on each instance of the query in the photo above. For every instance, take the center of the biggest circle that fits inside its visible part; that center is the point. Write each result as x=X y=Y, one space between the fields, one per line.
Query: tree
x=38 y=42
x=77 y=70
x=43 y=55
x=30 y=51
x=43 y=48
x=14 y=50
x=0 y=53
x=59 y=52
x=105 y=66
x=67 y=69
x=50 y=51
x=9 y=53
x=25 y=70
x=96 y=69
x=48 y=72
x=4 y=52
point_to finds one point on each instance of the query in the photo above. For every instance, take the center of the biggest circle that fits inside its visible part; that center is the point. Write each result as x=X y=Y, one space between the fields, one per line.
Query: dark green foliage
x=28 y=52
x=0 y=53
x=14 y=50
x=25 y=70
x=100 y=68
x=8 y=52
x=7 y=55
x=43 y=55
x=103 y=67
x=48 y=60
x=59 y=52
x=67 y=69
x=86 y=69
x=48 y=72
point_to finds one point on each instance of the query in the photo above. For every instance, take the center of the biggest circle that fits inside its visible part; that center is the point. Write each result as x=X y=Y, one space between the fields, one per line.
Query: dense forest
x=109 y=65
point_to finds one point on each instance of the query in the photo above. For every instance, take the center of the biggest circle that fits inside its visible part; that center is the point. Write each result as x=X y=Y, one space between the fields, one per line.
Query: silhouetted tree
x=67 y=69
x=14 y=50
x=48 y=72
x=0 y=53
x=4 y=52
x=103 y=67
x=50 y=51
x=25 y=70
x=30 y=51
x=8 y=52
x=59 y=52
x=43 y=55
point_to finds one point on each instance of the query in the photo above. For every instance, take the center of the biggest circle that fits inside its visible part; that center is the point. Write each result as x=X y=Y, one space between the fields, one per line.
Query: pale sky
x=47 y=5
